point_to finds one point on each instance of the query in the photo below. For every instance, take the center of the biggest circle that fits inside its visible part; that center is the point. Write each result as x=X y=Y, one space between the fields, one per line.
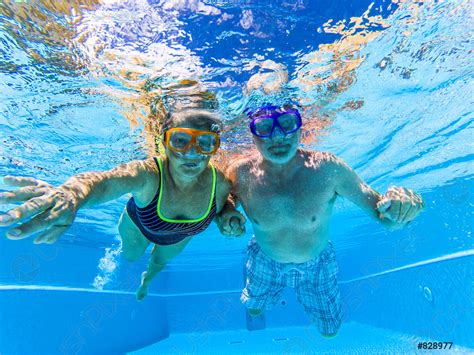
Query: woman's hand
x=45 y=209
x=231 y=223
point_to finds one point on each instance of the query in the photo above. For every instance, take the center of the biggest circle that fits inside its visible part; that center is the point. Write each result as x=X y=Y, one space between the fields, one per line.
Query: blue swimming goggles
x=263 y=120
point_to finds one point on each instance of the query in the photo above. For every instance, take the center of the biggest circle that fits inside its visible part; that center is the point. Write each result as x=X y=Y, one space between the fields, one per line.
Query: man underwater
x=288 y=195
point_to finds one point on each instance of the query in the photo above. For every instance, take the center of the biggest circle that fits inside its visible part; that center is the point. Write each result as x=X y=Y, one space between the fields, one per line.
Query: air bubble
x=428 y=294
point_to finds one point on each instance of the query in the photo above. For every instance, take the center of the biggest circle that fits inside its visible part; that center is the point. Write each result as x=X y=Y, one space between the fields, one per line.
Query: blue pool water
x=386 y=85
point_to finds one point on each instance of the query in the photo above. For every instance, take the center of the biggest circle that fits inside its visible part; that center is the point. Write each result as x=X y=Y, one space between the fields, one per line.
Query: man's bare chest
x=293 y=200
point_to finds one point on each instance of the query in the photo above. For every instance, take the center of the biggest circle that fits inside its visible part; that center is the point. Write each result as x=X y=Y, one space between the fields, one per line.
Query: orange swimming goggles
x=181 y=140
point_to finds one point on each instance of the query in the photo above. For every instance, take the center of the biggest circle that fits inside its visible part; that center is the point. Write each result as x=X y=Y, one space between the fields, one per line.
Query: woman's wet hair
x=202 y=119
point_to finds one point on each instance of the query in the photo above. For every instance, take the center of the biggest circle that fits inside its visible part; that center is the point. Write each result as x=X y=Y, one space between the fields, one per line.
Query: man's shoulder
x=330 y=165
x=243 y=160
x=240 y=166
x=323 y=156
x=318 y=159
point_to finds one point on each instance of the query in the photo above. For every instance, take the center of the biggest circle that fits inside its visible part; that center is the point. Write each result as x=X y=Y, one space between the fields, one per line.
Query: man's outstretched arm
x=394 y=209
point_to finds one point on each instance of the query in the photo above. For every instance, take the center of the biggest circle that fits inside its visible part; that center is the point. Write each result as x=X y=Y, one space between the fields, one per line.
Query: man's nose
x=278 y=133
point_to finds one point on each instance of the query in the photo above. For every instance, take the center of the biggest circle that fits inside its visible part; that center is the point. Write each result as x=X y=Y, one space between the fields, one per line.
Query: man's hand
x=45 y=209
x=231 y=223
x=400 y=205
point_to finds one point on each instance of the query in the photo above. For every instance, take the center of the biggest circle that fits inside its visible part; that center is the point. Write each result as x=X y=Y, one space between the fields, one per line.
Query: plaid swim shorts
x=314 y=281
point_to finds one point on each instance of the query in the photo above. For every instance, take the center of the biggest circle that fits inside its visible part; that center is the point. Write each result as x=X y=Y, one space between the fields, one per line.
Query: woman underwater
x=173 y=198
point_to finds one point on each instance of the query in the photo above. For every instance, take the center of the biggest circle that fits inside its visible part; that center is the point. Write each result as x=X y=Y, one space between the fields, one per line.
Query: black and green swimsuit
x=164 y=231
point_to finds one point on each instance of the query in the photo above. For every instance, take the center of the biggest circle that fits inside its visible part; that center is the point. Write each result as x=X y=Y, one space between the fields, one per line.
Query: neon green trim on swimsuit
x=184 y=220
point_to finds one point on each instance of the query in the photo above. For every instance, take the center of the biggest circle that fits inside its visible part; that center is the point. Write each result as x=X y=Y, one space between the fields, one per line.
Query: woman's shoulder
x=223 y=184
x=147 y=169
x=149 y=176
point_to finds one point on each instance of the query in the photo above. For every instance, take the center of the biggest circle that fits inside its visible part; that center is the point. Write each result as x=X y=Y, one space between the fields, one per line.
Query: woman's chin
x=191 y=169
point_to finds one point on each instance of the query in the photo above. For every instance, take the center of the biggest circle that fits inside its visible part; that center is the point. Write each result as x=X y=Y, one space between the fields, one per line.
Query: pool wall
x=417 y=281
x=79 y=321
